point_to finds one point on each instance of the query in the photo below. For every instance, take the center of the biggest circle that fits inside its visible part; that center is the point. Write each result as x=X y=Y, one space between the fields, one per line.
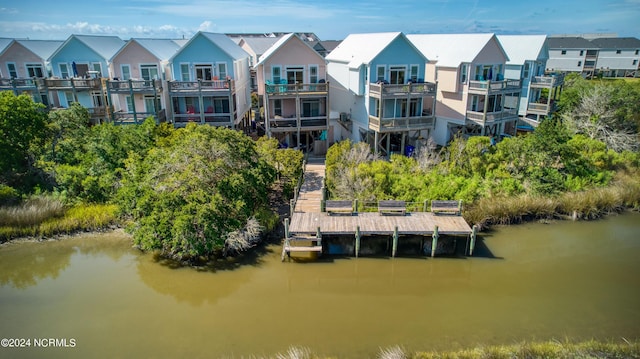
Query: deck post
x=473 y=239
x=318 y=237
x=357 y=240
x=425 y=205
x=355 y=205
x=292 y=205
x=394 y=248
x=286 y=228
x=434 y=241
x=323 y=207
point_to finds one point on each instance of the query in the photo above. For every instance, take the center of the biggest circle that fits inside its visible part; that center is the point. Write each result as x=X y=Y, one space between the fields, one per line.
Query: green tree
x=22 y=128
x=198 y=194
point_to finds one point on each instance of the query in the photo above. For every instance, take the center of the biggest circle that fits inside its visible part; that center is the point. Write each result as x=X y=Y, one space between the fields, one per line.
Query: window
x=637 y=52
x=221 y=105
x=413 y=107
x=294 y=75
x=184 y=72
x=222 y=71
x=126 y=72
x=414 y=73
x=313 y=74
x=563 y=52
x=151 y=104
x=311 y=108
x=13 y=72
x=635 y=62
x=618 y=52
x=380 y=71
x=581 y=52
x=579 y=63
x=525 y=72
x=479 y=76
x=35 y=70
x=64 y=71
x=397 y=74
x=275 y=74
x=69 y=97
x=204 y=72
x=97 y=99
x=277 y=107
x=463 y=73
x=149 y=72
x=97 y=67
x=129 y=100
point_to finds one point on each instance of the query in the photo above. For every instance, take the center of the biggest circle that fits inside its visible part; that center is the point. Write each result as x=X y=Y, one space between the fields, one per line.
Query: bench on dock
x=392 y=207
x=447 y=207
x=334 y=206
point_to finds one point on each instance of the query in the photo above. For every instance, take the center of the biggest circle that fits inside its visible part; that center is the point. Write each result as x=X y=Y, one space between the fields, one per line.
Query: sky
x=328 y=19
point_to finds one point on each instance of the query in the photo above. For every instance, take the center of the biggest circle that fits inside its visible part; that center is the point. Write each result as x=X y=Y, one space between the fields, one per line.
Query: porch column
x=200 y=101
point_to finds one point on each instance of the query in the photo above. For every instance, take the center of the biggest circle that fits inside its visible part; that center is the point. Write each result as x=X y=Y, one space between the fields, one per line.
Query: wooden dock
x=308 y=224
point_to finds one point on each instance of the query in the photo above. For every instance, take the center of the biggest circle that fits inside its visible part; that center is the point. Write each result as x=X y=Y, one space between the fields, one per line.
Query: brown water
x=569 y=280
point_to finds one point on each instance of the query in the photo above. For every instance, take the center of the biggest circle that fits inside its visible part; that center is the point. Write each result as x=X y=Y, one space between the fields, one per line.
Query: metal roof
x=163 y=49
x=259 y=45
x=359 y=49
x=283 y=40
x=617 y=43
x=42 y=48
x=225 y=44
x=521 y=48
x=577 y=43
x=105 y=46
x=450 y=50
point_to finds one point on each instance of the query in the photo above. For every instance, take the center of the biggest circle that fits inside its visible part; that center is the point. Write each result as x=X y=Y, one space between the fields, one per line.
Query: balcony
x=194 y=88
x=134 y=86
x=293 y=123
x=73 y=84
x=482 y=119
x=121 y=117
x=204 y=118
x=541 y=108
x=547 y=82
x=20 y=84
x=493 y=87
x=398 y=124
x=295 y=90
x=380 y=90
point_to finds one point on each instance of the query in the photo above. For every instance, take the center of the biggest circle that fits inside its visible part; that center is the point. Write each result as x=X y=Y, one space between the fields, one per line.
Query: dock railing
x=373 y=206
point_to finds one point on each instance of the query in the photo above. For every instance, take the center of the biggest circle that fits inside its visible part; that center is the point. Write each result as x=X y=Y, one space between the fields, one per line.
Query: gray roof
x=4 y=42
x=105 y=46
x=569 y=43
x=328 y=45
x=163 y=49
x=42 y=48
x=260 y=45
x=617 y=43
x=225 y=44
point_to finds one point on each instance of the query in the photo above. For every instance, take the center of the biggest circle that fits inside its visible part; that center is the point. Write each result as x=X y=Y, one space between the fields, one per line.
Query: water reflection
x=22 y=268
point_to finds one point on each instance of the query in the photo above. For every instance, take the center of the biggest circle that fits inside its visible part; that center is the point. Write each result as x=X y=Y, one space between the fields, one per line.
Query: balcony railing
x=97 y=112
x=214 y=119
x=493 y=87
x=136 y=86
x=194 y=87
x=286 y=124
x=138 y=117
x=296 y=89
x=400 y=123
x=73 y=84
x=541 y=108
x=411 y=89
x=547 y=81
x=482 y=118
x=19 y=84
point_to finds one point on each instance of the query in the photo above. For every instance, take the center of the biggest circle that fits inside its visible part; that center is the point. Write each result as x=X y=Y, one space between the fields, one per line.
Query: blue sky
x=329 y=19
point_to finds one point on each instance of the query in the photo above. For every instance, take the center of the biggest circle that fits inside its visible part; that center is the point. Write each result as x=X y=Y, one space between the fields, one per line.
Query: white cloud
x=206 y=26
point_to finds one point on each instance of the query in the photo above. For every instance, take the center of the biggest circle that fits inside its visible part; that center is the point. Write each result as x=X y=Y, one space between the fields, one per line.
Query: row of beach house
x=392 y=90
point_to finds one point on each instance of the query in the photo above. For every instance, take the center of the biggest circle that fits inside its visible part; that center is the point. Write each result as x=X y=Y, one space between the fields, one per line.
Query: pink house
x=138 y=70
x=291 y=79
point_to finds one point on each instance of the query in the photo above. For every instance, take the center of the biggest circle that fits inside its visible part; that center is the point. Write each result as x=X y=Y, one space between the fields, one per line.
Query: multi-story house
x=378 y=92
x=528 y=56
x=618 y=56
x=139 y=69
x=255 y=47
x=211 y=82
x=571 y=54
x=78 y=67
x=25 y=65
x=473 y=96
x=292 y=82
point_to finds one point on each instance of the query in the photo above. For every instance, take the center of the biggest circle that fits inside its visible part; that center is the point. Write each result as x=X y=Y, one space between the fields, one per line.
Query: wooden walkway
x=307 y=225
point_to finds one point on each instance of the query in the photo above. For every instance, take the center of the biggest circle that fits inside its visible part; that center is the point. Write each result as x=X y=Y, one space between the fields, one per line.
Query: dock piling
x=357 y=240
x=434 y=241
x=394 y=248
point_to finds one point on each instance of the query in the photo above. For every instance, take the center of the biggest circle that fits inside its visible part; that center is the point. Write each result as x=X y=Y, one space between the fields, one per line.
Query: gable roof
x=105 y=46
x=42 y=48
x=4 y=43
x=225 y=44
x=259 y=45
x=162 y=49
x=329 y=45
x=578 y=43
x=360 y=49
x=521 y=48
x=450 y=50
x=283 y=40
x=617 y=43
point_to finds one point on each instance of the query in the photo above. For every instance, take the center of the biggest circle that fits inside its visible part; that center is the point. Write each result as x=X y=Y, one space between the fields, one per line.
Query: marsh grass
x=623 y=193
x=53 y=218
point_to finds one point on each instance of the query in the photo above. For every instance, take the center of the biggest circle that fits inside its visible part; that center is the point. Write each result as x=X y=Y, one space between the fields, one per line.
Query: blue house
x=211 y=82
x=78 y=66
x=378 y=92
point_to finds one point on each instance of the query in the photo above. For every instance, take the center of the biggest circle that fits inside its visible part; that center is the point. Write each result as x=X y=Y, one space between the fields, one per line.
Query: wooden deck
x=371 y=223
x=310 y=194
